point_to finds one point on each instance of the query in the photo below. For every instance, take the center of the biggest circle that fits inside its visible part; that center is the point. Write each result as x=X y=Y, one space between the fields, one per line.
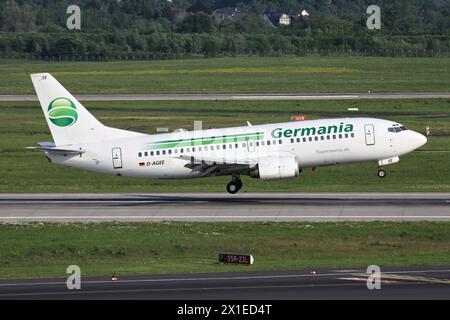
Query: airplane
x=267 y=152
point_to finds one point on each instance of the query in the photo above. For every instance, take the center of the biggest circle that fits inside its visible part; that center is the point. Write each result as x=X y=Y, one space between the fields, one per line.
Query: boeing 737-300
x=270 y=151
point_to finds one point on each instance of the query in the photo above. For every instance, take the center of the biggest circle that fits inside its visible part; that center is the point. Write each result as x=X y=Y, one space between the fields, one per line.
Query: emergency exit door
x=117 y=158
x=370 y=134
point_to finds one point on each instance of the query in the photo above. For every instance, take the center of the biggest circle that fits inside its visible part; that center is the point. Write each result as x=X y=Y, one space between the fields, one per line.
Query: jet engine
x=276 y=167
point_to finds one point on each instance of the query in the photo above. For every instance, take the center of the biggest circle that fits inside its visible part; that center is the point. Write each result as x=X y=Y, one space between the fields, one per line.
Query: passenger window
x=328 y=137
x=304 y=139
x=391 y=130
x=274 y=142
x=170 y=151
x=280 y=141
x=157 y=153
x=310 y=139
x=322 y=138
x=316 y=138
x=268 y=142
x=152 y=153
x=164 y=152
x=181 y=150
x=346 y=135
x=334 y=136
x=230 y=146
x=175 y=151
x=187 y=150
x=193 y=149
x=262 y=143
x=236 y=145
x=292 y=140
x=224 y=146
x=352 y=135
x=217 y=147
x=243 y=145
x=340 y=136
x=140 y=154
x=397 y=129
x=298 y=139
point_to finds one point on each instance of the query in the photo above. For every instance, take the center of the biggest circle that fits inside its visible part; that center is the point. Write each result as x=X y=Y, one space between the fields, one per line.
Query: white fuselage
x=314 y=143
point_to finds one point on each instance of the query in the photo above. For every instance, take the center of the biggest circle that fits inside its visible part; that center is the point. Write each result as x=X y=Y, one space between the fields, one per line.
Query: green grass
x=44 y=249
x=237 y=75
x=22 y=124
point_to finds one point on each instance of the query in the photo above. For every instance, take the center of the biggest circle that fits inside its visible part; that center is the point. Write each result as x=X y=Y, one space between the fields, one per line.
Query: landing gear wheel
x=381 y=173
x=233 y=187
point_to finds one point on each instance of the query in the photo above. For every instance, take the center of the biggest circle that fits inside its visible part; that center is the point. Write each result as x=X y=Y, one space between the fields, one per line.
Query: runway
x=225 y=207
x=231 y=96
x=396 y=283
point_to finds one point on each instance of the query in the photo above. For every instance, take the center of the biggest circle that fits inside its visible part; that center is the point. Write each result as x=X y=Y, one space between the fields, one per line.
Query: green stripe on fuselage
x=166 y=144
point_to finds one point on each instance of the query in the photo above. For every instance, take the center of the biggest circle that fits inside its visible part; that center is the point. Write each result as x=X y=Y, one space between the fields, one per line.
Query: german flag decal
x=141 y=164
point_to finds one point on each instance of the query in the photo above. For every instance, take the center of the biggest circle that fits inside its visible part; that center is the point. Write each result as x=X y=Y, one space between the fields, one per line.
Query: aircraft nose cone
x=419 y=139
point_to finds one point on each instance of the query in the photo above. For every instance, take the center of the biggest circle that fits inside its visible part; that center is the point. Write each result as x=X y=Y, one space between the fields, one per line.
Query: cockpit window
x=396 y=129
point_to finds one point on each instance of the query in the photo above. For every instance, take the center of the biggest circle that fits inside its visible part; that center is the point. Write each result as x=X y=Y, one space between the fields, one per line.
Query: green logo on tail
x=62 y=112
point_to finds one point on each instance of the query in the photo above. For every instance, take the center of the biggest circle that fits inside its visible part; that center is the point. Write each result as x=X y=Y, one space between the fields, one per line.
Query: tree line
x=159 y=29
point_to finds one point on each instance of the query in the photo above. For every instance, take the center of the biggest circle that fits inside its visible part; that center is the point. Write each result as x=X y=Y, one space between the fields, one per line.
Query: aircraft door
x=117 y=158
x=370 y=134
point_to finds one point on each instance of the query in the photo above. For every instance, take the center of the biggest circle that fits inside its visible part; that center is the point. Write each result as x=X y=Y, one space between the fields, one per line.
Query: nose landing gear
x=235 y=185
x=381 y=173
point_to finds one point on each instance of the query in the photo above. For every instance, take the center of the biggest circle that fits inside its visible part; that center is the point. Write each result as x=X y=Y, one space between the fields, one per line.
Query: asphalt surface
x=231 y=96
x=398 y=283
x=225 y=207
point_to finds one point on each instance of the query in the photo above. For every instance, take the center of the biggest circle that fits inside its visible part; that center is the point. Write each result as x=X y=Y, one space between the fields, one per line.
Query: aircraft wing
x=218 y=160
x=209 y=166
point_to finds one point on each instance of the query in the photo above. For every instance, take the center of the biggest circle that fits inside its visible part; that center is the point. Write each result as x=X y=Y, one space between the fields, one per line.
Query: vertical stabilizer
x=69 y=122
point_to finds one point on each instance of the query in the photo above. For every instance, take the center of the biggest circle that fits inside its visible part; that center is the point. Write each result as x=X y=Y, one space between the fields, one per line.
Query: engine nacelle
x=279 y=167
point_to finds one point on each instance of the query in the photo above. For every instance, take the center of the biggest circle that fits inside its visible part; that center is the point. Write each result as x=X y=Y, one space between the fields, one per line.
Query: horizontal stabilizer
x=50 y=147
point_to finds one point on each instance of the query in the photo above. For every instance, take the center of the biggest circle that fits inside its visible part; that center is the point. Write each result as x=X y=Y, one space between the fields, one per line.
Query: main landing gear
x=381 y=172
x=235 y=185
